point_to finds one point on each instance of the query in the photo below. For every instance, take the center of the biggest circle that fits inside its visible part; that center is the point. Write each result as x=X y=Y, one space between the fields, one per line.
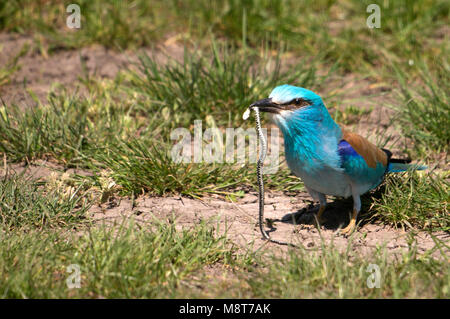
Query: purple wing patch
x=345 y=149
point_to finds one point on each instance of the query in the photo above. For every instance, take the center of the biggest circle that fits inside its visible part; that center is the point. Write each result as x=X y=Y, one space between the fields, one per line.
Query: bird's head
x=291 y=106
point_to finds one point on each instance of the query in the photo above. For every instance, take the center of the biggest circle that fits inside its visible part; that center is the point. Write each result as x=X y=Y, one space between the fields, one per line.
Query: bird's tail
x=396 y=166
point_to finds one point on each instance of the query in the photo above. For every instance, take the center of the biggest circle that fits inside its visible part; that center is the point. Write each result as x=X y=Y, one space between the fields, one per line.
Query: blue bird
x=329 y=159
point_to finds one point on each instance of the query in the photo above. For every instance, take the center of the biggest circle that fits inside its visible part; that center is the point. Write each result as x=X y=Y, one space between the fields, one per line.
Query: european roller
x=329 y=159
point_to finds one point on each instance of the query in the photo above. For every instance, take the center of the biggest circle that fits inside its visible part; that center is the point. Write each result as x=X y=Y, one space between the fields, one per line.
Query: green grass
x=124 y=262
x=343 y=274
x=411 y=200
x=216 y=84
x=25 y=204
x=335 y=29
x=425 y=106
x=56 y=130
x=138 y=168
x=114 y=24
x=117 y=129
x=160 y=261
x=11 y=66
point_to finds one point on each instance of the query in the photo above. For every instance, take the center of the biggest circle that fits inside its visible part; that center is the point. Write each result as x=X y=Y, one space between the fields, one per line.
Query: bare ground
x=293 y=221
x=39 y=74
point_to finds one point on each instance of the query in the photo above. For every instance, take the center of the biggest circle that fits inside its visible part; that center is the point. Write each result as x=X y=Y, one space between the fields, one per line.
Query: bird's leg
x=356 y=208
x=323 y=205
x=322 y=202
x=351 y=226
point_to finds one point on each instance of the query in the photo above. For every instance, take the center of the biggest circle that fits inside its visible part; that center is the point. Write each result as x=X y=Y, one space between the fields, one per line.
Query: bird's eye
x=297 y=103
x=300 y=102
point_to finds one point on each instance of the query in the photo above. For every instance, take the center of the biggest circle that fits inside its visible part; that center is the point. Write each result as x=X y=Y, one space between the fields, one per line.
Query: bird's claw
x=349 y=229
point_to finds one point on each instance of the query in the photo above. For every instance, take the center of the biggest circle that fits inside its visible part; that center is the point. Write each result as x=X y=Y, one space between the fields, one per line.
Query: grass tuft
x=25 y=204
x=413 y=200
x=124 y=262
x=332 y=273
x=425 y=110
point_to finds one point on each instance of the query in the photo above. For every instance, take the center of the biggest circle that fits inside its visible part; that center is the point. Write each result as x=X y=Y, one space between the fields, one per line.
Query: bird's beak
x=267 y=105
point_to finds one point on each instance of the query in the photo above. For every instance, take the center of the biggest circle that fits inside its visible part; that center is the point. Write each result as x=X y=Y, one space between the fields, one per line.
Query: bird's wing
x=369 y=152
x=361 y=160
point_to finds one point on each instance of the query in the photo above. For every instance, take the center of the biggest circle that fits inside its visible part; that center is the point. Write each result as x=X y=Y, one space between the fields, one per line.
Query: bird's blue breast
x=311 y=150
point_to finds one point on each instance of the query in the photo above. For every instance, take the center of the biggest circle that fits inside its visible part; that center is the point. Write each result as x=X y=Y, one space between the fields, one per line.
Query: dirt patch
x=39 y=170
x=40 y=73
x=293 y=221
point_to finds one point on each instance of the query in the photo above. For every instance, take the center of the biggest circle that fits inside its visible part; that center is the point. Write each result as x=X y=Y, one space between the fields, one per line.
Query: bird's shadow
x=337 y=214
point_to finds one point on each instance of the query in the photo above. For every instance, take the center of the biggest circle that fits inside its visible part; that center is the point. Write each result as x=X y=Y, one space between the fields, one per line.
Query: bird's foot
x=351 y=225
x=349 y=229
